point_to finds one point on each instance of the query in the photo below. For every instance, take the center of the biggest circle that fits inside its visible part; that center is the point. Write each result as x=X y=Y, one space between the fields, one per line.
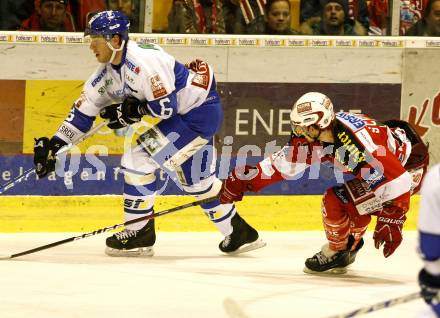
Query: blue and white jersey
x=429 y=220
x=147 y=73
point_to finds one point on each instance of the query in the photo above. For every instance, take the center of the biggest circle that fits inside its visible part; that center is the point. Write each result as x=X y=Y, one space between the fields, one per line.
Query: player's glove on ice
x=124 y=114
x=388 y=229
x=45 y=154
x=235 y=185
x=430 y=287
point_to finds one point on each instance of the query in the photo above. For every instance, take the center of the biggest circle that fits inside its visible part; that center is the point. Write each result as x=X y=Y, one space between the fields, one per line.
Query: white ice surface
x=189 y=277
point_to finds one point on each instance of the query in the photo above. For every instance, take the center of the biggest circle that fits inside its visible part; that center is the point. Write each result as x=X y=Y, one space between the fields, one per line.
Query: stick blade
x=5 y=257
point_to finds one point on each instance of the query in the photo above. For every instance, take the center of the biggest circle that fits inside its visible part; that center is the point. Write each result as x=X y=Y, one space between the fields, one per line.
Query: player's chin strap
x=115 y=50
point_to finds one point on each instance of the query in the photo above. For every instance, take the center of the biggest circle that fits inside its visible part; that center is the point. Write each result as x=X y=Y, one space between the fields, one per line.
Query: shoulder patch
x=202 y=76
x=157 y=86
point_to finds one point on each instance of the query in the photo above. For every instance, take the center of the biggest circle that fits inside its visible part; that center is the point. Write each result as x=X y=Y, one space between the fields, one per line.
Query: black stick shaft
x=109 y=228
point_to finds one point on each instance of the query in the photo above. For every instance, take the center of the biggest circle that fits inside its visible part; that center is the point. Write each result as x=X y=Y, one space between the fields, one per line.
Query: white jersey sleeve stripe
x=394 y=188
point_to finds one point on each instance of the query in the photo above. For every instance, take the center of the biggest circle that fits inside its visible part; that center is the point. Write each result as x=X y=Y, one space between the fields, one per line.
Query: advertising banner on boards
x=421 y=97
x=256 y=124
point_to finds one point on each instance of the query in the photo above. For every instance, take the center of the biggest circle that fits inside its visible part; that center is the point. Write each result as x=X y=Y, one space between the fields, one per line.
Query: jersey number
x=165 y=110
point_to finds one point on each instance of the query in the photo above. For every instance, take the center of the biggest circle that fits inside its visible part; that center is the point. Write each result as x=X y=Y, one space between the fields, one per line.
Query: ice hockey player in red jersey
x=387 y=161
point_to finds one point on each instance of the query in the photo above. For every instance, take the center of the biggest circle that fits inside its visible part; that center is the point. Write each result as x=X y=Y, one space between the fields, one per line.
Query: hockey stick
x=64 y=149
x=109 y=228
x=378 y=306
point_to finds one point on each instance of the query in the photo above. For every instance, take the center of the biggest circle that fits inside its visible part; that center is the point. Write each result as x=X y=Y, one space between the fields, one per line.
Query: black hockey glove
x=44 y=154
x=430 y=286
x=124 y=114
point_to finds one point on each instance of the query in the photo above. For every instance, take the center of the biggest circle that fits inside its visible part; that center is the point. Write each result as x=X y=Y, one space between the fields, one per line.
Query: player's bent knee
x=206 y=188
x=138 y=162
x=334 y=203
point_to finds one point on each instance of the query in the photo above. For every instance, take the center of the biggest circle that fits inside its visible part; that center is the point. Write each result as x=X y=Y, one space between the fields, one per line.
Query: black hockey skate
x=353 y=253
x=132 y=243
x=244 y=238
x=336 y=264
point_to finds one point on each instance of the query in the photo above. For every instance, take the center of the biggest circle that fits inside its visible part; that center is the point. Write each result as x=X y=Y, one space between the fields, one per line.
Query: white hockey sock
x=138 y=201
x=327 y=251
x=220 y=215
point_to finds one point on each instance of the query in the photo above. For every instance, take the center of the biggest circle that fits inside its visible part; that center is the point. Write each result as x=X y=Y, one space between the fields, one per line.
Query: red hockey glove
x=236 y=184
x=388 y=229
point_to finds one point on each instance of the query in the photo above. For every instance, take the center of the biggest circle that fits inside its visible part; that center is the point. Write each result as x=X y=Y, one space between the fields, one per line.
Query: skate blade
x=259 y=243
x=135 y=252
x=331 y=271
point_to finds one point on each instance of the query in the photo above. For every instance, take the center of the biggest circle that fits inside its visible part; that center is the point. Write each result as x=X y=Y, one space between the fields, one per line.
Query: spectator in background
x=13 y=12
x=244 y=16
x=276 y=19
x=49 y=15
x=177 y=17
x=379 y=17
x=334 y=20
x=127 y=7
x=429 y=25
x=83 y=10
x=356 y=10
x=234 y=22
x=411 y=11
x=196 y=16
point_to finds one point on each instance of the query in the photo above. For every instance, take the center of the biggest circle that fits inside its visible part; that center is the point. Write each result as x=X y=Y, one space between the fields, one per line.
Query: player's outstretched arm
x=244 y=179
x=293 y=158
x=235 y=185
x=73 y=130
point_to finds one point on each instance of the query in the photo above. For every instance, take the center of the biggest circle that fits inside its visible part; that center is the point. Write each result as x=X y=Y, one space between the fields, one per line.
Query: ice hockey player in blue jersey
x=133 y=81
x=429 y=232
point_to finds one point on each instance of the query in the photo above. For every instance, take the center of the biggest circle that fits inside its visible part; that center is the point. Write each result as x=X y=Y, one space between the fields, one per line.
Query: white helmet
x=312 y=109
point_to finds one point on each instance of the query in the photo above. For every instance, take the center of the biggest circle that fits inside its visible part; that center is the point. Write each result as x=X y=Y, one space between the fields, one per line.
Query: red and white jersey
x=363 y=147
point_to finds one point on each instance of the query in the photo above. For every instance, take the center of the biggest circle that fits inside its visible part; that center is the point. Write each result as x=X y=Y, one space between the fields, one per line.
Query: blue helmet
x=108 y=23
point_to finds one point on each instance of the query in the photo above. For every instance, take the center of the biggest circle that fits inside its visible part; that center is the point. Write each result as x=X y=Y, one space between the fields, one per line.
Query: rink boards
x=88 y=213
x=257 y=90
